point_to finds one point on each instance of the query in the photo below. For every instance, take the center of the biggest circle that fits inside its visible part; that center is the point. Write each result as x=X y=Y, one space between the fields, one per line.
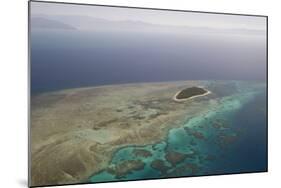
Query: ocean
x=63 y=59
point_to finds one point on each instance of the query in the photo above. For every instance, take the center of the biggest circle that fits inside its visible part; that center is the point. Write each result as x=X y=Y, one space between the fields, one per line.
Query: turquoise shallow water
x=227 y=138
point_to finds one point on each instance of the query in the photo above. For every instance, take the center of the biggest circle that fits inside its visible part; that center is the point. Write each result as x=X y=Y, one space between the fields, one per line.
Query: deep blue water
x=66 y=59
x=250 y=150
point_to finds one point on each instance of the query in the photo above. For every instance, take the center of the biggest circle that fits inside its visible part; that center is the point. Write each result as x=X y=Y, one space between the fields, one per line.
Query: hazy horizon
x=75 y=46
x=150 y=16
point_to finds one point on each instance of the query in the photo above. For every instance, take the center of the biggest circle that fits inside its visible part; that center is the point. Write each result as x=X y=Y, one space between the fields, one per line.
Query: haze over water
x=76 y=50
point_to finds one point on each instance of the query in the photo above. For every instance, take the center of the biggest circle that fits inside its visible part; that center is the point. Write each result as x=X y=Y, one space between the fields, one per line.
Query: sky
x=173 y=18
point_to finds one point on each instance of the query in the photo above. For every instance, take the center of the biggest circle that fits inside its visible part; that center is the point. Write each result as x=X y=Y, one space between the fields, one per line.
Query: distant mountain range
x=39 y=22
x=92 y=23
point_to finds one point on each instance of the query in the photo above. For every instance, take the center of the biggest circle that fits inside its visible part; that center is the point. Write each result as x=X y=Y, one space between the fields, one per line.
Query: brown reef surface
x=142 y=153
x=175 y=157
x=75 y=132
x=159 y=165
x=126 y=167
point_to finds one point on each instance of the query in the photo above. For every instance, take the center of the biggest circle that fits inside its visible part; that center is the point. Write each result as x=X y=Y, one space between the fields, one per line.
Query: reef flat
x=77 y=134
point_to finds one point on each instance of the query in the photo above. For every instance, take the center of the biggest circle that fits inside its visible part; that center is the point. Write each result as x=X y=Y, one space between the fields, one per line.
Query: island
x=190 y=93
